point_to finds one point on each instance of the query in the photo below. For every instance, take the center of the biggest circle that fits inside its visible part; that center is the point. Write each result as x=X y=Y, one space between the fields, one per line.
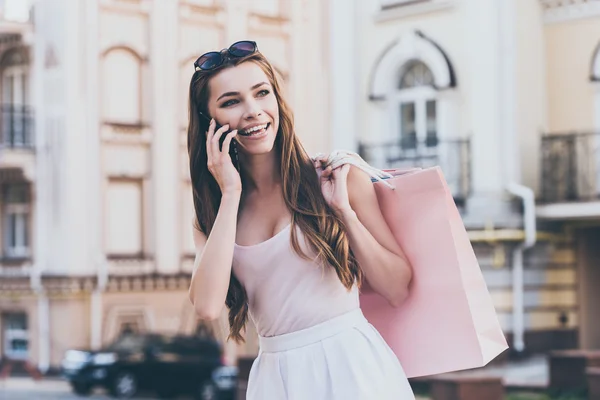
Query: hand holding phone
x=217 y=127
x=219 y=162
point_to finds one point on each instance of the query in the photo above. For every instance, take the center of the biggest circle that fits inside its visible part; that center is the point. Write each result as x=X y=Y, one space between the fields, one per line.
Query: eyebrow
x=237 y=93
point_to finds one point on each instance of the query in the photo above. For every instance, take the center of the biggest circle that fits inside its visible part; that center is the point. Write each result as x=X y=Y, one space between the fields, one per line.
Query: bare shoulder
x=360 y=187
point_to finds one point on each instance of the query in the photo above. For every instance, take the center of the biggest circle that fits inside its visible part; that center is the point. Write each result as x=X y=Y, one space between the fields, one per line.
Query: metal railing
x=16 y=126
x=453 y=156
x=570 y=167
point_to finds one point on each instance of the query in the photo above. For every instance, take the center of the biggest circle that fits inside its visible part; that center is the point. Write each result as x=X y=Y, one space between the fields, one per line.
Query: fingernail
x=212 y=121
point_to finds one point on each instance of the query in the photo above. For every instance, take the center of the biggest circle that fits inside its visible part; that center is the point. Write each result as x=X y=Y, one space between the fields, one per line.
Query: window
x=15 y=96
x=417 y=111
x=124 y=218
x=122 y=87
x=16 y=202
x=15 y=335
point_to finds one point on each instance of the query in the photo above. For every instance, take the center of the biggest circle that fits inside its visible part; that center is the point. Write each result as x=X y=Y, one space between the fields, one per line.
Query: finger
x=216 y=137
x=209 y=135
x=327 y=173
x=342 y=172
x=227 y=141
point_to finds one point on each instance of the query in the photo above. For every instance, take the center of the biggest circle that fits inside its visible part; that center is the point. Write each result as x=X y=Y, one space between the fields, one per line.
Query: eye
x=229 y=103
x=263 y=93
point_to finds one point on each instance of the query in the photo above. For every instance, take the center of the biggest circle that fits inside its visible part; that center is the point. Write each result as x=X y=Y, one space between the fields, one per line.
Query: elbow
x=398 y=298
x=205 y=312
x=402 y=291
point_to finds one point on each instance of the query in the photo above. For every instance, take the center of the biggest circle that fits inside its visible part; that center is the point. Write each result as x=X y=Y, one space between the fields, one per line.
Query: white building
x=504 y=95
x=95 y=201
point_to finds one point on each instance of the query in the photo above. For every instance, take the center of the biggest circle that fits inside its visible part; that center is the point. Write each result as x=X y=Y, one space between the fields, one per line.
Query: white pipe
x=44 y=333
x=529 y=222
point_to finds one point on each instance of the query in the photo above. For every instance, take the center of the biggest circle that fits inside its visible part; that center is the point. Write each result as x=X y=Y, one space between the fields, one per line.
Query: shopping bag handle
x=337 y=158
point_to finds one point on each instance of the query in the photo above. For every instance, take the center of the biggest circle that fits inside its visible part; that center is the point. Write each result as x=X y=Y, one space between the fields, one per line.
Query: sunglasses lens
x=209 y=61
x=243 y=48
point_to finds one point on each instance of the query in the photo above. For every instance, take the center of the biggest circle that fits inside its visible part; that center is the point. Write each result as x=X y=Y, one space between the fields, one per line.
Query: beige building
x=96 y=198
x=505 y=96
x=96 y=205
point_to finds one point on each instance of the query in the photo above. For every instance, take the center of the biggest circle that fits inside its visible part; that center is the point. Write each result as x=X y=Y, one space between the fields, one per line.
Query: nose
x=253 y=110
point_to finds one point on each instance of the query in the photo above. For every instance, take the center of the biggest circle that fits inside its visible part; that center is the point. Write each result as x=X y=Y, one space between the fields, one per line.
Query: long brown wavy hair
x=301 y=190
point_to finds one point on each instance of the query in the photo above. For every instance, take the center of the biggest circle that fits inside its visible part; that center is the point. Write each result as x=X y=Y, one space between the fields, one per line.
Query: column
x=342 y=75
x=166 y=180
x=96 y=319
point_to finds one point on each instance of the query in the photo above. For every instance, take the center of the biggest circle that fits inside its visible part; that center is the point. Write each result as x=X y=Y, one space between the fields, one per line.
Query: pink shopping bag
x=448 y=323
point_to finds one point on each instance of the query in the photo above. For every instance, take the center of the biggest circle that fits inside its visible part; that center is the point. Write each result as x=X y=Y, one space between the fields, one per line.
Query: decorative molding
x=120 y=266
x=119 y=133
x=148 y=283
x=407 y=10
x=412 y=46
x=556 y=11
x=126 y=6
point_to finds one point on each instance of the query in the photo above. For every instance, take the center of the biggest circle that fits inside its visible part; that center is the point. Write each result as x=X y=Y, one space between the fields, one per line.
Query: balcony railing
x=16 y=126
x=452 y=155
x=550 y=4
x=570 y=167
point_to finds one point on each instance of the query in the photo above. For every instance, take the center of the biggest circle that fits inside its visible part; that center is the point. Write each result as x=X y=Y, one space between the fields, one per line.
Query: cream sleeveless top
x=287 y=293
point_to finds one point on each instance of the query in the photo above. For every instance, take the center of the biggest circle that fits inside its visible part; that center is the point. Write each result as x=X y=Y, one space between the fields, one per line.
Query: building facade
x=504 y=96
x=95 y=199
x=97 y=206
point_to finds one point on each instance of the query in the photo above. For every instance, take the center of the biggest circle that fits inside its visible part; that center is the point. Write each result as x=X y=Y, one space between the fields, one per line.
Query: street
x=48 y=389
x=54 y=389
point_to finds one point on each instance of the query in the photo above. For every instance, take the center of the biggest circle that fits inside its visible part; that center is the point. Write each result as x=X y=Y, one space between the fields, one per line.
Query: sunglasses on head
x=213 y=59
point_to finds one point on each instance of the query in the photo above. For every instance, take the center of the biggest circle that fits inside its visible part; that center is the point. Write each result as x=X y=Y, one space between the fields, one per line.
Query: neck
x=262 y=172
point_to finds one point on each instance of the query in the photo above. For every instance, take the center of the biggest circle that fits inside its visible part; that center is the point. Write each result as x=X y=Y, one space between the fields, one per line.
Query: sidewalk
x=531 y=373
x=53 y=384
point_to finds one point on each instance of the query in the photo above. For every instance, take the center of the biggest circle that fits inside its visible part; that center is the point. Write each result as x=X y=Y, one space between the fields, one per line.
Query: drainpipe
x=529 y=222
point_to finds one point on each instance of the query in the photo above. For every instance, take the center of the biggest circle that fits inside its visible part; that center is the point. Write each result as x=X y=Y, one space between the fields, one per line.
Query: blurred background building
x=96 y=199
x=96 y=204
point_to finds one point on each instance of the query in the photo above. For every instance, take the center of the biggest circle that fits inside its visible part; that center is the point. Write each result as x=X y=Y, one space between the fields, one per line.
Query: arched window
x=416 y=99
x=122 y=94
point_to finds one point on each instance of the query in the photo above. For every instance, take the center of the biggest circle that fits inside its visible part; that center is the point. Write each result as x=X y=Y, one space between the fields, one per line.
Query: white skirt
x=344 y=358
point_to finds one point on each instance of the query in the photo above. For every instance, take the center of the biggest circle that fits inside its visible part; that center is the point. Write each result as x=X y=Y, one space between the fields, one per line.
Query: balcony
x=453 y=156
x=570 y=181
x=16 y=127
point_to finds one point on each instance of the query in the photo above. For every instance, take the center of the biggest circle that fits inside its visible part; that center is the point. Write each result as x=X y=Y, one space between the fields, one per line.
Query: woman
x=286 y=242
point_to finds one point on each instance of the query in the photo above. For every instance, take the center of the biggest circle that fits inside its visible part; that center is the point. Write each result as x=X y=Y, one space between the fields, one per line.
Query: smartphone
x=217 y=127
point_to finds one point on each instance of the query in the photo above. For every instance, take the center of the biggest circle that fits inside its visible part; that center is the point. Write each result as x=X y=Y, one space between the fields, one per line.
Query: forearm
x=212 y=267
x=386 y=272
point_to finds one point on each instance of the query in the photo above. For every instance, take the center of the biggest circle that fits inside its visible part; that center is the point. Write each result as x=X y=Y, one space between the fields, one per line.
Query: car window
x=128 y=343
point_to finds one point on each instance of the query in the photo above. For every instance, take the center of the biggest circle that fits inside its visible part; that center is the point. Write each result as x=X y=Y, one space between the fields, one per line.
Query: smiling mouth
x=256 y=131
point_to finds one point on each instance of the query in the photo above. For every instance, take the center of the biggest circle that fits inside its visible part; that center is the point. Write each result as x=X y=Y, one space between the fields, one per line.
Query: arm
x=381 y=259
x=214 y=256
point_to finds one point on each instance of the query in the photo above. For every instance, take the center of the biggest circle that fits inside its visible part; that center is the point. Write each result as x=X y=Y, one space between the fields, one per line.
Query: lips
x=256 y=130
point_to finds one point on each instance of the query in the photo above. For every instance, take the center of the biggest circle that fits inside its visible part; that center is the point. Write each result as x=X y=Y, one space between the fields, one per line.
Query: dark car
x=168 y=365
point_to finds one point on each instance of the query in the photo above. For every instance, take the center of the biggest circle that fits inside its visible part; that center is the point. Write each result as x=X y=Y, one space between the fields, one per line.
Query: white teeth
x=255 y=129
